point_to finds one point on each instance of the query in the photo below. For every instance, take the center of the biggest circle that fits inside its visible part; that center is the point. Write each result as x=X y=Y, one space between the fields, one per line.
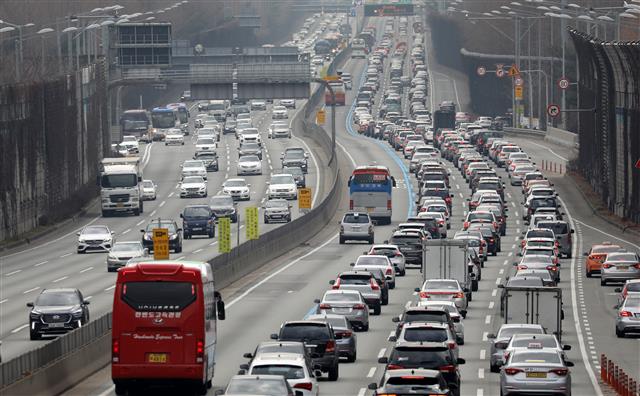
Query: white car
x=193 y=186
x=258 y=105
x=149 y=190
x=441 y=208
x=288 y=103
x=131 y=144
x=194 y=168
x=279 y=129
x=174 y=136
x=208 y=132
x=378 y=261
x=238 y=189
x=95 y=237
x=249 y=165
x=394 y=254
x=279 y=113
x=292 y=366
x=206 y=144
x=450 y=306
x=250 y=135
x=282 y=186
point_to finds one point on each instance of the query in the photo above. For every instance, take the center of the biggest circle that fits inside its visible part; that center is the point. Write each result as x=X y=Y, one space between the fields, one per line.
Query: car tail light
x=448 y=200
x=374 y=285
x=512 y=371
x=394 y=367
x=626 y=314
x=552 y=268
x=359 y=306
x=495 y=225
x=522 y=267
x=560 y=371
x=337 y=284
x=344 y=334
x=506 y=356
x=199 y=351
x=304 y=385
x=607 y=265
x=636 y=266
x=389 y=271
x=115 y=351
x=351 y=204
x=458 y=295
x=522 y=243
x=424 y=294
x=491 y=240
x=449 y=368
x=325 y=306
x=452 y=345
x=465 y=225
x=388 y=204
x=398 y=254
x=331 y=346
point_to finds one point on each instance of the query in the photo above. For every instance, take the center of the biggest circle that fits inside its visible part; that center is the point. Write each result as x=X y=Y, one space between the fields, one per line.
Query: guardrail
x=524 y=132
x=68 y=359
x=617 y=378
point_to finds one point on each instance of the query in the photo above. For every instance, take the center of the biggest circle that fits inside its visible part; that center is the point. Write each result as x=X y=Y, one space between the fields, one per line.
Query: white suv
x=282 y=186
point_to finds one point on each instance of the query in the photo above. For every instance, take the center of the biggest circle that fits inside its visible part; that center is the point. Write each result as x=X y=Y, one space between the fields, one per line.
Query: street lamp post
x=42 y=33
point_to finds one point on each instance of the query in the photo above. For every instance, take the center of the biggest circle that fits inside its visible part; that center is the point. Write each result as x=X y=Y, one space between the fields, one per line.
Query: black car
x=320 y=341
x=250 y=149
x=223 y=206
x=492 y=238
x=57 y=311
x=426 y=355
x=210 y=159
x=229 y=126
x=295 y=157
x=410 y=244
x=423 y=314
x=430 y=224
x=298 y=175
x=175 y=234
x=198 y=220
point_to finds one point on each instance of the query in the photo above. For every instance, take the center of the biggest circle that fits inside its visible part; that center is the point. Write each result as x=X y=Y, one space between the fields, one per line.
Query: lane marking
x=66 y=255
x=162 y=203
x=362 y=391
x=140 y=222
x=492 y=304
x=31 y=290
x=481 y=373
x=197 y=251
x=14 y=272
x=110 y=288
x=383 y=350
x=371 y=373
x=20 y=328
x=86 y=269
x=602 y=232
x=487 y=319
x=551 y=151
x=126 y=231
x=41 y=263
x=4 y=301
x=483 y=354
x=60 y=279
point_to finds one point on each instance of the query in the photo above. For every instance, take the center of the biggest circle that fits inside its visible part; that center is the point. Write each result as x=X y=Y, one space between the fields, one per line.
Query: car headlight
x=34 y=314
x=147 y=237
x=77 y=313
x=202 y=188
x=173 y=236
x=81 y=240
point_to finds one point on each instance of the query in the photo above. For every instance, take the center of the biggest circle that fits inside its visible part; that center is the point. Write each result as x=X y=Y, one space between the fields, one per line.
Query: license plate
x=197 y=228
x=536 y=375
x=622 y=267
x=342 y=310
x=369 y=210
x=56 y=324
x=157 y=358
x=119 y=205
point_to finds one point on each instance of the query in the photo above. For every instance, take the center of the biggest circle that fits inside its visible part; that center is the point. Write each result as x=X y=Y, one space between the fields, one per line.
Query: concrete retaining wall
x=562 y=138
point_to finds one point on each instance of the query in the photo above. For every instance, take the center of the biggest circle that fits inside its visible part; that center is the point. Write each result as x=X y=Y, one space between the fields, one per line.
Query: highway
x=285 y=289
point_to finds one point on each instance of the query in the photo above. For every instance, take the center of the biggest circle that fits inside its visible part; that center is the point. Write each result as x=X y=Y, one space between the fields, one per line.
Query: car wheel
x=385 y=300
x=266 y=221
x=494 y=369
x=377 y=309
x=392 y=285
x=371 y=239
x=603 y=282
x=105 y=213
x=212 y=234
x=179 y=249
x=120 y=390
x=403 y=272
x=589 y=274
x=333 y=372
x=474 y=285
x=365 y=327
x=352 y=357
x=136 y=212
x=569 y=255
x=34 y=336
x=341 y=240
x=619 y=334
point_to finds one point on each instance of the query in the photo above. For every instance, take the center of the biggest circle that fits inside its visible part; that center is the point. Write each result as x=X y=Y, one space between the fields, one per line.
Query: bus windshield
x=159 y=296
x=163 y=119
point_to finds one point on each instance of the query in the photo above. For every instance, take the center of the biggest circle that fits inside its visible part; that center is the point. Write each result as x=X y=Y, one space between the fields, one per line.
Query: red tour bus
x=164 y=325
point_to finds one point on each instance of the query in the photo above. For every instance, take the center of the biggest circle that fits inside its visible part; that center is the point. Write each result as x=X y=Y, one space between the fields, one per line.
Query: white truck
x=120 y=181
x=535 y=305
x=447 y=259
x=358 y=48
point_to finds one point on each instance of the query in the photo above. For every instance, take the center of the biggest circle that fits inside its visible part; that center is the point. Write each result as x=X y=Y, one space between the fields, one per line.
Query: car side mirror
x=244 y=366
x=519 y=254
x=179 y=230
x=491 y=336
x=372 y=386
x=392 y=338
x=142 y=231
x=618 y=290
x=568 y=364
x=248 y=355
x=332 y=282
x=417 y=290
x=219 y=392
x=78 y=233
x=515 y=264
x=573 y=231
x=113 y=232
x=461 y=361
x=395 y=319
x=181 y=216
x=316 y=301
x=566 y=347
x=86 y=302
x=352 y=264
x=273 y=336
x=585 y=254
x=317 y=373
x=30 y=304
x=383 y=360
x=242 y=372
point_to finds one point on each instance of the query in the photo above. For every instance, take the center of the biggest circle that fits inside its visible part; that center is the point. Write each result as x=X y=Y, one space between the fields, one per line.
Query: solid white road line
x=383 y=351
x=362 y=391
x=66 y=255
x=353 y=161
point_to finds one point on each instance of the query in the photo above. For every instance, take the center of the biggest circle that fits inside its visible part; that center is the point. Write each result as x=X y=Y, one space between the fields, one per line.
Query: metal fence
x=609 y=119
x=25 y=364
x=53 y=134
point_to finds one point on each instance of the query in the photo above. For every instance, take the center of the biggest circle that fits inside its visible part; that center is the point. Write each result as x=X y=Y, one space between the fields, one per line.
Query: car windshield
x=162 y=224
x=249 y=146
x=412 y=383
x=126 y=247
x=405 y=240
x=471 y=242
x=421 y=357
x=304 y=331
x=57 y=299
x=294 y=155
x=351 y=297
x=631 y=302
x=557 y=228
x=544 y=233
x=221 y=201
x=441 y=285
x=536 y=357
x=235 y=183
x=389 y=252
x=251 y=386
x=537 y=259
x=280 y=347
x=276 y=204
x=545 y=342
x=372 y=260
x=205 y=141
x=624 y=256
x=507 y=332
x=196 y=211
x=525 y=282
x=425 y=316
x=147 y=184
x=355 y=279
x=282 y=179
x=425 y=334
x=605 y=249
x=287 y=371
x=359 y=219
x=193 y=179
x=192 y=164
x=95 y=230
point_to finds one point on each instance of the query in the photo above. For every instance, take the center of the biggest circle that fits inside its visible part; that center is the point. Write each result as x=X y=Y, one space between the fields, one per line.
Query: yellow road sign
x=304 y=198
x=332 y=78
x=224 y=235
x=321 y=115
x=518 y=92
x=160 y=238
x=514 y=71
x=251 y=214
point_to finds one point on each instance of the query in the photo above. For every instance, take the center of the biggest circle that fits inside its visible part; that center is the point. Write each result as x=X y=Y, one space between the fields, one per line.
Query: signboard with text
x=224 y=235
x=304 y=198
x=388 y=9
x=251 y=214
x=160 y=238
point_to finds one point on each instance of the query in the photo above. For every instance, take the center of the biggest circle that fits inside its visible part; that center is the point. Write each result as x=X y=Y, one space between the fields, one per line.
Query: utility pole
x=563 y=35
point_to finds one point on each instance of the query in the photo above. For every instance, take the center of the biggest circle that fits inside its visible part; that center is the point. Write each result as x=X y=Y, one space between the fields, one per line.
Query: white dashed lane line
x=31 y=290
x=20 y=328
x=13 y=272
x=66 y=255
x=41 y=263
x=60 y=279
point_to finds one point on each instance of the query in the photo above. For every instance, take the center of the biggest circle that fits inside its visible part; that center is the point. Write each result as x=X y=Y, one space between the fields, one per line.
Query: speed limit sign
x=563 y=83
x=500 y=72
x=553 y=110
x=481 y=70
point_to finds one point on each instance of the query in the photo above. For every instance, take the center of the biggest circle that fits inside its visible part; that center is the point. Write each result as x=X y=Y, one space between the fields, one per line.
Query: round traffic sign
x=518 y=81
x=500 y=72
x=563 y=83
x=481 y=70
x=553 y=110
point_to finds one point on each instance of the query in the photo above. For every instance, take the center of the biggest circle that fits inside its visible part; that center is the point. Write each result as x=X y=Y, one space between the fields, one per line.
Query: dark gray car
x=223 y=206
x=562 y=231
x=57 y=311
x=345 y=335
x=250 y=149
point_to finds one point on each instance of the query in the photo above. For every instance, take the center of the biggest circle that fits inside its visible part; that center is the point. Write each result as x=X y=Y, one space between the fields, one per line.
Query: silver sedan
x=628 y=318
x=539 y=371
x=122 y=252
x=348 y=303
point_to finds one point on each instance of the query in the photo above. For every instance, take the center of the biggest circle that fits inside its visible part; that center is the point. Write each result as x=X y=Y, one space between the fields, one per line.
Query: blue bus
x=370 y=190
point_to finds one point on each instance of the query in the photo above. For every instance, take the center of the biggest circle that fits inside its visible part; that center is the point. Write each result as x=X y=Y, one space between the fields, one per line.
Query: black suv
x=175 y=234
x=223 y=206
x=320 y=341
x=295 y=156
x=423 y=314
x=426 y=355
x=198 y=220
x=57 y=311
x=410 y=244
x=210 y=159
